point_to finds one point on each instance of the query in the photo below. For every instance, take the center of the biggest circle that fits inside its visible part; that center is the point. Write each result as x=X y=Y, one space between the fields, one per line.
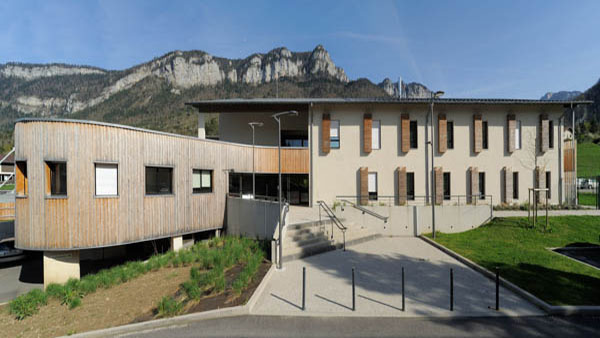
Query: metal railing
x=418 y=200
x=256 y=197
x=334 y=220
x=365 y=211
x=12 y=175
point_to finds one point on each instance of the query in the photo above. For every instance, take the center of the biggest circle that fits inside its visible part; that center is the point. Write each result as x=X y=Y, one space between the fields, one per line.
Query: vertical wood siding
x=544 y=133
x=82 y=220
x=511 y=125
x=508 y=185
x=364 y=185
x=401 y=172
x=474 y=183
x=439 y=185
x=477 y=133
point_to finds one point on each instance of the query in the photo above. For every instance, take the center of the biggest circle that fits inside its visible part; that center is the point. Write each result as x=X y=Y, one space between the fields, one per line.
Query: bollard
x=497 y=289
x=353 y=293
x=451 y=290
x=303 y=288
x=403 y=299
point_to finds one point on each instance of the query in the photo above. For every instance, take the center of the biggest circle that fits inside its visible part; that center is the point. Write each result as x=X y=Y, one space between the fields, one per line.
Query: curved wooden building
x=83 y=185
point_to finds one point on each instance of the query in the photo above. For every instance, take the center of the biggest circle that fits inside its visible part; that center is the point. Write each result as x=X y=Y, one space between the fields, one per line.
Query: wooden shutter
x=511 y=125
x=477 y=134
x=544 y=133
x=474 y=178
x=439 y=185
x=508 y=185
x=401 y=172
x=405 y=133
x=325 y=134
x=367 y=131
x=364 y=186
x=442 y=133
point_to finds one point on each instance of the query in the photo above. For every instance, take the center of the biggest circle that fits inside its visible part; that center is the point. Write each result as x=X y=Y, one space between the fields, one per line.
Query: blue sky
x=518 y=49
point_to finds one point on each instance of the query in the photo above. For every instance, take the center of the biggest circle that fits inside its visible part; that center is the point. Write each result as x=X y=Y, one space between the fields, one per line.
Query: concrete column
x=176 y=243
x=218 y=233
x=201 y=126
x=59 y=266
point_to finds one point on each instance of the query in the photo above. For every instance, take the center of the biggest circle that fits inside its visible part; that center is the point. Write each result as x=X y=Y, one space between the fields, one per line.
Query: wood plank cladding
x=367 y=133
x=439 y=185
x=364 y=185
x=511 y=125
x=402 y=185
x=544 y=133
x=474 y=184
x=82 y=220
x=442 y=133
x=405 y=132
x=508 y=185
x=477 y=134
x=326 y=133
x=7 y=211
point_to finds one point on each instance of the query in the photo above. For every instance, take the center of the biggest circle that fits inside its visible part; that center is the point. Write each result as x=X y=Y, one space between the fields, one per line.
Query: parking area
x=378 y=287
x=21 y=276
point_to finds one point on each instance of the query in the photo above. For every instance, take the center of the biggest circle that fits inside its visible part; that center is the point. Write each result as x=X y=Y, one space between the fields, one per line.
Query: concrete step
x=309 y=241
x=309 y=224
x=304 y=236
x=294 y=253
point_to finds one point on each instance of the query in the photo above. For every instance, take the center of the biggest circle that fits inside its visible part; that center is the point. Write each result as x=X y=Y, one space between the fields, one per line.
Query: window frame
x=48 y=185
x=25 y=192
x=447 y=182
x=485 y=135
x=414 y=135
x=95 y=178
x=203 y=190
x=171 y=193
x=332 y=139
x=375 y=146
x=376 y=192
x=450 y=134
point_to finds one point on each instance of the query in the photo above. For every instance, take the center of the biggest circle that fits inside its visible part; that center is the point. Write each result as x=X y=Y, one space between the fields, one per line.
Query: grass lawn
x=523 y=259
x=587 y=199
x=7 y=187
x=587 y=159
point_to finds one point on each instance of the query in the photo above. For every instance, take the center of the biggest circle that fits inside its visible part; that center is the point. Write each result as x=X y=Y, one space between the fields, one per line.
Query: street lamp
x=277 y=118
x=434 y=96
x=252 y=125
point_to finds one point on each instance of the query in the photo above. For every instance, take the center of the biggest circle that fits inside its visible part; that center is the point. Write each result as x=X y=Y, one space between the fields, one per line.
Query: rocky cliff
x=404 y=90
x=562 y=95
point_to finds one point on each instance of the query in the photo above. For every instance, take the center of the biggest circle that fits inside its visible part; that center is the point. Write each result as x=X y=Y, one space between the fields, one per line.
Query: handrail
x=385 y=200
x=14 y=166
x=334 y=220
x=367 y=211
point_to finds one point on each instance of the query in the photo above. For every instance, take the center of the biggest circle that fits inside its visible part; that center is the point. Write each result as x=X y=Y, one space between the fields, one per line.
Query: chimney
x=201 y=130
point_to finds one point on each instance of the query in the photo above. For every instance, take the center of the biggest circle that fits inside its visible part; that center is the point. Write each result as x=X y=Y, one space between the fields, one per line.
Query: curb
x=183 y=320
x=566 y=310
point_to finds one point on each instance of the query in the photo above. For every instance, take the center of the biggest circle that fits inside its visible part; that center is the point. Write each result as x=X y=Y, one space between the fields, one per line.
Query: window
x=202 y=181
x=549 y=184
x=106 y=179
x=450 y=134
x=447 y=186
x=414 y=137
x=22 y=183
x=159 y=181
x=372 y=186
x=481 y=186
x=294 y=138
x=515 y=185
x=410 y=186
x=56 y=174
x=550 y=134
x=334 y=134
x=484 y=134
x=376 y=134
x=518 y=134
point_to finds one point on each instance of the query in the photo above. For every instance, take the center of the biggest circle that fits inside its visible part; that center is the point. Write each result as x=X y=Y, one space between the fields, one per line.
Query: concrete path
x=275 y=326
x=20 y=277
x=521 y=213
x=378 y=288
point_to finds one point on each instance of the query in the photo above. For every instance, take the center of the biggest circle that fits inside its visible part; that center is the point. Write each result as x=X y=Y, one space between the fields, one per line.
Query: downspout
x=560 y=159
x=574 y=155
x=310 y=149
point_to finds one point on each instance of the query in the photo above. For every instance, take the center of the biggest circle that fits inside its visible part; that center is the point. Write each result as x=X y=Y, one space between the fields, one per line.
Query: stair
x=307 y=239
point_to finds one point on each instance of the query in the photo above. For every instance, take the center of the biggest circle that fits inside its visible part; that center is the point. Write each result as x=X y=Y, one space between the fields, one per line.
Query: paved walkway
x=521 y=213
x=378 y=289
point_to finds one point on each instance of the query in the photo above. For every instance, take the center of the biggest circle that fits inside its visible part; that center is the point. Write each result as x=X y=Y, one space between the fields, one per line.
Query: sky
x=494 y=49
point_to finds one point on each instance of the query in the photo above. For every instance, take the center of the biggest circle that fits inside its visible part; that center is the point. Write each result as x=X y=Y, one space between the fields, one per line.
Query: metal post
x=403 y=304
x=497 y=289
x=353 y=293
x=432 y=169
x=451 y=290
x=303 y=288
x=547 y=197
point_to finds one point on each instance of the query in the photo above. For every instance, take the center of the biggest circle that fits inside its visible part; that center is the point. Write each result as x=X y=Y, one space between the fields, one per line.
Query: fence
x=422 y=200
x=588 y=191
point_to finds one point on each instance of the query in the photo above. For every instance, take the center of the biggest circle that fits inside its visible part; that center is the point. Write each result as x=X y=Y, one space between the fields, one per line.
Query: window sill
x=202 y=193
x=21 y=196
x=57 y=197
x=159 y=195
x=106 y=196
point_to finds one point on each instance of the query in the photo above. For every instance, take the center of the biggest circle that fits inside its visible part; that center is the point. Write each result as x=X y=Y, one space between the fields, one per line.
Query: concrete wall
x=251 y=218
x=336 y=173
x=415 y=220
x=233 y=127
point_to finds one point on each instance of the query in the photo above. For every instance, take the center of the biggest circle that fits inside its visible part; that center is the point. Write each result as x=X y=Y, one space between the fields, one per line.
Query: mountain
x=588 y=116
x=401 y=89
x=562 y=95
x=152 y=95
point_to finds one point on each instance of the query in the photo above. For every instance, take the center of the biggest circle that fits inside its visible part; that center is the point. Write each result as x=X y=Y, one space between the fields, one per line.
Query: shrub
x=168 y=307
x=27 y=304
